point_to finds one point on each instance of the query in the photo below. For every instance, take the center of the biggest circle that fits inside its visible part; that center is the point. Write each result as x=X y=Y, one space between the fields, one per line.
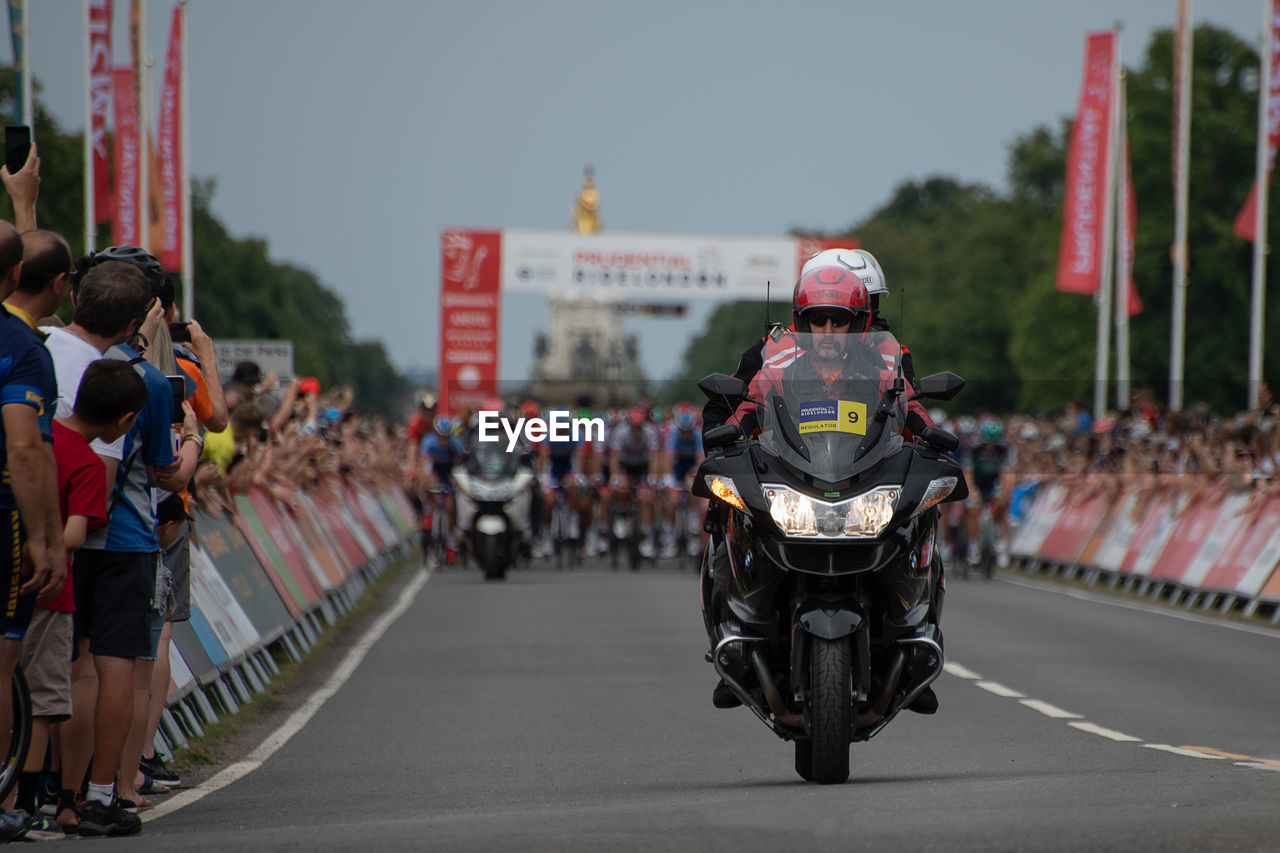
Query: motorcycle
x=493 y=507
x=821 y=588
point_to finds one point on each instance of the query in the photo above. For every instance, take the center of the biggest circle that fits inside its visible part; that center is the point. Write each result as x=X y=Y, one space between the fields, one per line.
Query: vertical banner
x=1080 y=251
x=18 y=37
x=126 y=229
x=470 y=302
x=1245 y=225
x=100 y=94
x=1130 y=234
x=155 y=199
x=170 y=130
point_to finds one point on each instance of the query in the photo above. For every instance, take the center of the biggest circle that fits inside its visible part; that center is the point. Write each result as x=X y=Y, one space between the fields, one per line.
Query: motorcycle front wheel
x=491 y=559
x=830 y=710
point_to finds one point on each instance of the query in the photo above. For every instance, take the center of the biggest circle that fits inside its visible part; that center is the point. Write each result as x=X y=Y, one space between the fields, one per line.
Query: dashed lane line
x=1110 y=734
x=1049 y=710
x=1000 y=690
x=1079 y=723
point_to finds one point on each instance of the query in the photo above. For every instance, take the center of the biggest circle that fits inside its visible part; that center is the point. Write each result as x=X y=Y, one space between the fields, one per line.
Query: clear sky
x=349 y=134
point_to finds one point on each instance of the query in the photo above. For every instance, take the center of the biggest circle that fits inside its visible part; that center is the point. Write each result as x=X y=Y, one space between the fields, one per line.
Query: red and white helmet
x=831 y=287
x=860 y=261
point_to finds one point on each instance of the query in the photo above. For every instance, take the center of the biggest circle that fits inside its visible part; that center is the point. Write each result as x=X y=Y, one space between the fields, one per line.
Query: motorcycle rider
x=861 y=263
x=833 y=305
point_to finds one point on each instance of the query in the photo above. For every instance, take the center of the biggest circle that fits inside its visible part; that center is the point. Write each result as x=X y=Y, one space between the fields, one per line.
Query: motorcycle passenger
x=986 y=465
x=439 y=451
x=683 y=455
x=635 y=464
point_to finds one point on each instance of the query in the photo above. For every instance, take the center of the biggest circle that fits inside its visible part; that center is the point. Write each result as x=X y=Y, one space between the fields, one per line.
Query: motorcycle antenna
x=767 y=322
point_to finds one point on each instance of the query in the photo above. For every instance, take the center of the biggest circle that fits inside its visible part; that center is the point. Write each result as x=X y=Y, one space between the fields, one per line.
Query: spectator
x=116 y=571
x=28 y=487
x=106 y=407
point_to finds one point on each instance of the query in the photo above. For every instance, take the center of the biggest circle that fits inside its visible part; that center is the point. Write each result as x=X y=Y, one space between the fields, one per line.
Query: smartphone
x=17 y=146
x=180 y=333
x=264 y=434
x=178 y=387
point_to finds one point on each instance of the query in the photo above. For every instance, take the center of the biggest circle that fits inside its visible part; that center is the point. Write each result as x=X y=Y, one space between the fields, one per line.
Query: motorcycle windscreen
x=831 y=387
x=490 y=459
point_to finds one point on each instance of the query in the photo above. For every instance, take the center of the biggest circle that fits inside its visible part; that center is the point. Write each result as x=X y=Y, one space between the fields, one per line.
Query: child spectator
x=110 y=396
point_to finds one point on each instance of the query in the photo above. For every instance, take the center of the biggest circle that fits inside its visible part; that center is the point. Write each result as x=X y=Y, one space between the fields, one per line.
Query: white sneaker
x=668 y=550
x=646 y=549
x=694 y=548
x=975 y=556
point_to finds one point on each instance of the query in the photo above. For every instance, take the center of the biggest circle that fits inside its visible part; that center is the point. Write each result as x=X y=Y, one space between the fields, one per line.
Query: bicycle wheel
x=20 y=740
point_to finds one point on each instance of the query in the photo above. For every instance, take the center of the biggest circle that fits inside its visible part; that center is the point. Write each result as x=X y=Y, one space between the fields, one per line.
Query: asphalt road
x=571 y=711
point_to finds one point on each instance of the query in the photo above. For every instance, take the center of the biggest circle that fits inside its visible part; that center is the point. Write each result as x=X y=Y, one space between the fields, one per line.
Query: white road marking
x=1000 y=690
x=961 y=671
x=1145 y=608
x=1258 y=765
x=1111 y=734
x=1190 y=753
x=1049 y=710
x=303 y=715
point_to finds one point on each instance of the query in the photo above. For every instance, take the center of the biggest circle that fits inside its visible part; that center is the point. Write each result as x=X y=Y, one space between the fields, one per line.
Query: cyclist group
x=639 y=472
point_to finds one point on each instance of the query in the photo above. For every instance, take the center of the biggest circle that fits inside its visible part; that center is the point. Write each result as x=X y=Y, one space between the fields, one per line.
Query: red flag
x=1246 y=219
x=171 y=149
x=125 y=229
x=99 y=104
x=1083 y=219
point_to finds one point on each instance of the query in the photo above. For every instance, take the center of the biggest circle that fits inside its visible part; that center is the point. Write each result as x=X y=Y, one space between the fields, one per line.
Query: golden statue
x=586 y=210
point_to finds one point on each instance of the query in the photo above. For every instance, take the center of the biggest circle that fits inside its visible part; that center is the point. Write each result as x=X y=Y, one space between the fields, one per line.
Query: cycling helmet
x=656 y=414
x=831 y=287
x=636 y=416
x=992 y=430
x=685 y=420
x=862 y=262
x=530 y=409
x=443 y=425
x=965 y=425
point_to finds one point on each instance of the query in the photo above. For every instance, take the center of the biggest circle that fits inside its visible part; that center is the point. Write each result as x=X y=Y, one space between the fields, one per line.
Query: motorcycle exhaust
x=880 y=706
x=779 y=708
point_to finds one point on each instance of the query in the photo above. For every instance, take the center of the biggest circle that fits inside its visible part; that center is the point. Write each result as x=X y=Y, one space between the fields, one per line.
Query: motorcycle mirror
x=940 y=438
x=938 y=386
x=721 y=385
x=721 y=436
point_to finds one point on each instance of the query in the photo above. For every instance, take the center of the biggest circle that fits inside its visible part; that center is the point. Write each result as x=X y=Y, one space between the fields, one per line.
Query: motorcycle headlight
x=869 y=513
x=937 y=490
x=724 y=489
x=791 y=511
x=865 y=516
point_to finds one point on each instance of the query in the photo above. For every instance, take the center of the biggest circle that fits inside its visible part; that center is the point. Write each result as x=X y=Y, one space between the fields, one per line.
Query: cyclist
x=439 y=451
x=634 y=462
x=561 y=463
x=683 y=455
x=987 y=467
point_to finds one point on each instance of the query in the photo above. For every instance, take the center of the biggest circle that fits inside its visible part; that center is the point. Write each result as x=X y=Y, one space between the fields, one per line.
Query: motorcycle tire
x=830 y=711
x=489 y=555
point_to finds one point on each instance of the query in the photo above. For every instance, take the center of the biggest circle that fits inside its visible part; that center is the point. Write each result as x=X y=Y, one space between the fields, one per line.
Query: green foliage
x=241 y=292
x=971 y=271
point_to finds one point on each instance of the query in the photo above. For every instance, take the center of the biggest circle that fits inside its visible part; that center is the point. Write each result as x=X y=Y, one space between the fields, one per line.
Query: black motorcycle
x=821 y=587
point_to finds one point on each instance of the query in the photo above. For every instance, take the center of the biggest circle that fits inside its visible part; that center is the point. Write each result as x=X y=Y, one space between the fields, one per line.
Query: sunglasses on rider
x=818 y=319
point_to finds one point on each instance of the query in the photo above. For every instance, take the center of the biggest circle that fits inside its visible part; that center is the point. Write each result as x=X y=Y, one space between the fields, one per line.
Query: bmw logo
x=746 y=560
x=911 y=561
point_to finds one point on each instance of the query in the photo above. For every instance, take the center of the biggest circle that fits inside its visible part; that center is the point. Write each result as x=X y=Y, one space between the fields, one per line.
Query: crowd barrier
x=1208 y=548
x=268 y=578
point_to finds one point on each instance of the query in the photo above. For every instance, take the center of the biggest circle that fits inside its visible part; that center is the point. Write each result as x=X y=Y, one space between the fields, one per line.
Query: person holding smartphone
x=21 y=177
